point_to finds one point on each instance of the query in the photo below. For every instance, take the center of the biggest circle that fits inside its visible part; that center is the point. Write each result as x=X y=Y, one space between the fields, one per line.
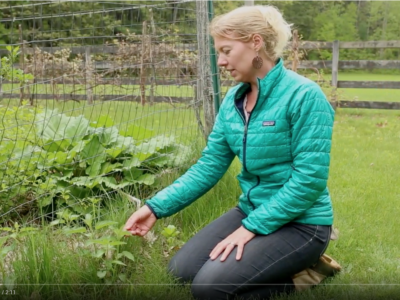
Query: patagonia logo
x=268 y=123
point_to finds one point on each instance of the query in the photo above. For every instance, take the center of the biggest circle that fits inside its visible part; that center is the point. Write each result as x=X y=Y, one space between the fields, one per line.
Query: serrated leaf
x=155 y=144
x=109 y=182
x=86 y=182
x=102 y=224
x=101 y=274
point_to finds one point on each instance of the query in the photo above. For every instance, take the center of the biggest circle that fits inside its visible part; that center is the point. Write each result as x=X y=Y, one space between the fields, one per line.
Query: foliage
x=71 y=162
x=8 y=71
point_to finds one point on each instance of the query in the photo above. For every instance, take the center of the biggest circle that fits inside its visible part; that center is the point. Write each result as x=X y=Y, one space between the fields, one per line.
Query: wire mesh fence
x=96 y=98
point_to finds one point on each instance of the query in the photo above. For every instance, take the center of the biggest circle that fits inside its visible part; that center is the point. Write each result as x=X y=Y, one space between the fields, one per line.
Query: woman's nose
x=221 y=61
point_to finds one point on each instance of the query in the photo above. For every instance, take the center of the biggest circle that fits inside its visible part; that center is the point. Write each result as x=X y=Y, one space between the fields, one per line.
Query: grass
x=364 y=188
x=363 y=184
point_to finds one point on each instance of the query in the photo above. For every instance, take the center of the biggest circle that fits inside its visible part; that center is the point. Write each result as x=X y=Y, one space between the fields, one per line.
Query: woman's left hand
x=238 y=238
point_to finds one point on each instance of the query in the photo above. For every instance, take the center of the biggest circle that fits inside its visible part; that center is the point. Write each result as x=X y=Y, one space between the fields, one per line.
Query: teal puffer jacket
x=284 y=149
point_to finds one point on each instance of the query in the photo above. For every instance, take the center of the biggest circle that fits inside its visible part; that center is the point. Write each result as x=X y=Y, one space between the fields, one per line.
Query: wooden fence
x=335 y=65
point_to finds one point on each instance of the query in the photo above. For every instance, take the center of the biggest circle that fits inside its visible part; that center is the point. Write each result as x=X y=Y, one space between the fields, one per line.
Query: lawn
x=57 y=264
x=365 y=192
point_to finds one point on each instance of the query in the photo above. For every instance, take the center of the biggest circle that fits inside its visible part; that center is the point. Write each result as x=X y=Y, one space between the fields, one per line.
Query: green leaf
x=130 y=163
x=109 y=182
x=147 y=179
x=101 y=274
x=122 y=277
x=102 y=224
x=99 y=253
x=107 y=136
x=94 y=169
x=108 y=167
x=137 y=132
x=3 y=239
x=103 y=121
x=53 y=126
x=128 y=255
x=114 y=152
x=118 y=262
x=132 y=174
x=93 y=151
x=125 y=143
x=155 y=144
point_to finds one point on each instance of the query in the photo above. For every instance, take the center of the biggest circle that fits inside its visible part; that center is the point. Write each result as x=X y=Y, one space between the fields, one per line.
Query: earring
x=257 y=62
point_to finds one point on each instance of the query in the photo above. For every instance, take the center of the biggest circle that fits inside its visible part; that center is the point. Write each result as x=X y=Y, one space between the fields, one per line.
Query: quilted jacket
x=284 y=149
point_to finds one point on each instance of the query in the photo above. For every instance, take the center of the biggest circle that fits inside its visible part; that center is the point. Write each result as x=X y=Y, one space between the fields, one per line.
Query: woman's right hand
x=141 y=221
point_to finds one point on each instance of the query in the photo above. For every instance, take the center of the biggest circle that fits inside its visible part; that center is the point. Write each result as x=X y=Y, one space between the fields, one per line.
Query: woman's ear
x=257 y=42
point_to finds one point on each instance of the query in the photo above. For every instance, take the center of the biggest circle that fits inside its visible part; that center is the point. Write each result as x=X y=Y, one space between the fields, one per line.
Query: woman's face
x=236 y=57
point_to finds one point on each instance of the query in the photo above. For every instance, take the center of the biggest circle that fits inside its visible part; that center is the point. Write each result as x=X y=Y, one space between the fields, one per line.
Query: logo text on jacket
x=268 y=123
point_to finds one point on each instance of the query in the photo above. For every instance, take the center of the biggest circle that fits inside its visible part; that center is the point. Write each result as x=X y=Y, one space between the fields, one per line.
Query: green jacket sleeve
x=311 y=133
x=200 y=178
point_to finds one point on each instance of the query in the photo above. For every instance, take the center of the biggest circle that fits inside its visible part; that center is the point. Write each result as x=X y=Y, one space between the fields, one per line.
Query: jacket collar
x=266 y=84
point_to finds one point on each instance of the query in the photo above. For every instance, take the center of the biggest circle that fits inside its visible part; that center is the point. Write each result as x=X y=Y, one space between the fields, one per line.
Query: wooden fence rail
x=305 y=45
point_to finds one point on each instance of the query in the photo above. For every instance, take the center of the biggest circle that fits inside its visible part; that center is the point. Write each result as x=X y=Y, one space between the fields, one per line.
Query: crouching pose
x=279 y=125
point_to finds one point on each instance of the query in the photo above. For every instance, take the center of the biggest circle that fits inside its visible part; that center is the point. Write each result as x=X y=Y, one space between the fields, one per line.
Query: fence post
x=214 y=67
x=335 y=70
x=89 y=77
x=204 y=84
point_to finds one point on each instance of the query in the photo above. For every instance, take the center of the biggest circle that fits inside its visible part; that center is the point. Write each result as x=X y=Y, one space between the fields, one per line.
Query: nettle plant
x=74 y=163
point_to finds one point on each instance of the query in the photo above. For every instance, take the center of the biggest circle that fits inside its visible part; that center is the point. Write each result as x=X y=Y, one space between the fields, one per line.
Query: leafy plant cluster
x=67 y=161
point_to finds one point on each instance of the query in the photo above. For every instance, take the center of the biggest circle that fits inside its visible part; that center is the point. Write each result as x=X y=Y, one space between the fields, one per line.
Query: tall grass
x=365 y=193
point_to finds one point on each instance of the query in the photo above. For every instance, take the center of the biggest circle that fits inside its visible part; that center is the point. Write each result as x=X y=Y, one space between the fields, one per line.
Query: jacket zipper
x=246 y=125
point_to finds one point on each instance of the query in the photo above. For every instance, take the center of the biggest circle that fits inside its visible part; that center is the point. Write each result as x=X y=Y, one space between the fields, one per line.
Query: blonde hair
x=243 y=22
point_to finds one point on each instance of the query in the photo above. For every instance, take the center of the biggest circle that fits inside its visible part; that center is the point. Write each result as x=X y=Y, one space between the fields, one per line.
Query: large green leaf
x=155 y=144
x=94 y=169
x=61 y=129
x=93 y=150
x=107 y=136
x=147 y=179
x=109 y=167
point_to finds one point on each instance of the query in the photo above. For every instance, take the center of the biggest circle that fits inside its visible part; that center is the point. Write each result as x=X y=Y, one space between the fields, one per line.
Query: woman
x=279 y=124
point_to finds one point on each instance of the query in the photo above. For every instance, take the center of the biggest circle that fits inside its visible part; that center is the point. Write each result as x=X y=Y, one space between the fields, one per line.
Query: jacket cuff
x=152 y=210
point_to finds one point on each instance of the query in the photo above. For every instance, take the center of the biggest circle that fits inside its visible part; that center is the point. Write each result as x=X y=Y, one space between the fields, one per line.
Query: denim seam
x=327 y=243
x=309 y=241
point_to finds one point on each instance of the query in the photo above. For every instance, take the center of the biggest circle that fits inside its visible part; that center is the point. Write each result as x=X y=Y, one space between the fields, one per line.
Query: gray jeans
x=266 y=267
